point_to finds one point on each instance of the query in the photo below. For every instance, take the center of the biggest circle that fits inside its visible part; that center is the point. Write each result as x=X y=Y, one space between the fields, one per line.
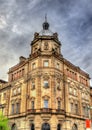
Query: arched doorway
x=75 y=127
x=14 y=127
x=32 y=127
x=58 y=126
x=45 y=126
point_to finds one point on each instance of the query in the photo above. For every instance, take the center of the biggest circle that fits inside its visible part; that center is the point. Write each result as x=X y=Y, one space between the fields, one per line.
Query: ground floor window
x=45 y=126
x=74 y=127
x=14 y=127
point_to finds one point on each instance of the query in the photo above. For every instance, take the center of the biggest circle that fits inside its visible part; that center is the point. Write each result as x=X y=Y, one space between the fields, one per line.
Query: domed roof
x=45 y=25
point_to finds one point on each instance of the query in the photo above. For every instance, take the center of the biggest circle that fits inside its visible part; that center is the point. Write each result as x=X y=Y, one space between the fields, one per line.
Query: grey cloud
x=72 y=19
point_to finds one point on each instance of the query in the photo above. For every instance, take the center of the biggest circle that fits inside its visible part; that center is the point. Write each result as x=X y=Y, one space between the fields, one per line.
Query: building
x=91 y=102
x=45 y=91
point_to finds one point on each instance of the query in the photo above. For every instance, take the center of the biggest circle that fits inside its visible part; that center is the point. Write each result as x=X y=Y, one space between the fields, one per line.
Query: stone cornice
x=45 y=38
x=76 y=68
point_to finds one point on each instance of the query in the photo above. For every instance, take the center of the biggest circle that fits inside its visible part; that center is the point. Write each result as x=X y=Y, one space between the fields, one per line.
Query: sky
x=20 y=19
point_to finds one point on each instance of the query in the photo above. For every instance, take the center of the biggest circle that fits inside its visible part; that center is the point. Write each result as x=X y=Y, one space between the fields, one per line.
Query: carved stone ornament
x=46 y=47
x=32 y=98
x=46 y=97
x=46 y=76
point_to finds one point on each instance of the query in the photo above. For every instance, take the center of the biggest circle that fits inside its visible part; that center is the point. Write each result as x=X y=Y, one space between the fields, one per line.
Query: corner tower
x=46 y=41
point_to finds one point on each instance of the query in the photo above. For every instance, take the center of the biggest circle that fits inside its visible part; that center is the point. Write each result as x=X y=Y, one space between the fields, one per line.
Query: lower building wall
x=25 y=123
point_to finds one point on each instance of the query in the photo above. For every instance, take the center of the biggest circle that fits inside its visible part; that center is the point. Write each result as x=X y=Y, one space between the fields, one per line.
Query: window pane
x=46 y=64
x=33 y=85
x=45 y=83
x=58 y=66
x=76 y=108
x=59 y=104
x=18 y=89
x=32 y=104
x=33 y=66
x=12 y=107
x=17 y=107
x=71 y=107
x=45 y=103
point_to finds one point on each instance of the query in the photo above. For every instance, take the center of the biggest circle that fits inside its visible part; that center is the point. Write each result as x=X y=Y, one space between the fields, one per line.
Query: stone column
x=38 y=91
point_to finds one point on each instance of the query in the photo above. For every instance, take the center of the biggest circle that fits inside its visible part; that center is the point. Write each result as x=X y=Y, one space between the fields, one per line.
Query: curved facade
x=45 y=91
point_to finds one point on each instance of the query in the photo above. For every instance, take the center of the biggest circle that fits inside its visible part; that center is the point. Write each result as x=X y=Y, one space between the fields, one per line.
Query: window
x=14 y=127
x=71 y=107
x=4 y=96
x=70 y=90
x=0 y=98
x=76 y=108
x=58 y=66
x=14 y=92
x=32 y=104
x=18 y=89
x=84 y=110
x=17 y=108
x=33 y=66
x=33 y=85
x=46 y=84
x=75 y=92
x=45 y=126
x=46 y=63
x=45 y=103
x=23 y=72
x=12 y=108
x=74 y=127
x=59 y=104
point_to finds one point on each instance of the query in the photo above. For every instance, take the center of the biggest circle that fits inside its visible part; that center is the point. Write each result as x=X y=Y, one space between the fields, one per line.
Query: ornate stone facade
x=45 y=91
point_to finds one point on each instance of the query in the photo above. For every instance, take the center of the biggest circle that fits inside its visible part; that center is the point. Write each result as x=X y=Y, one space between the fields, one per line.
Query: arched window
x=59 y=127
x=45 y=126
x=32 y=127
x=14 y=127
x=74 y=127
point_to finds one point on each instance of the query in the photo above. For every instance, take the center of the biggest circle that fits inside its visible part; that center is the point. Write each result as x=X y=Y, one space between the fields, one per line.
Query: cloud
x=72 y=19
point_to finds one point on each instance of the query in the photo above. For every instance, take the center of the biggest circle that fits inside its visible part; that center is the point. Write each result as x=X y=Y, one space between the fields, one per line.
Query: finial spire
x=45 y=24
x=45 y=17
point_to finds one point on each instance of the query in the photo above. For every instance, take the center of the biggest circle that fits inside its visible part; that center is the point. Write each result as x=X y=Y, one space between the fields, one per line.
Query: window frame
x=46 y=103
x=46 y=63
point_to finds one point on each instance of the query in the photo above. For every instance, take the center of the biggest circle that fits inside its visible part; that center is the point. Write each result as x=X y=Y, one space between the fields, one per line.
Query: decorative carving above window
x=45 y=97
x=46 y=47
x=46 y=77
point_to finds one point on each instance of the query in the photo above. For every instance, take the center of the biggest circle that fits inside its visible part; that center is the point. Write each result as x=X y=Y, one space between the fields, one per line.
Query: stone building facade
x=45 y=91
x=91 y=102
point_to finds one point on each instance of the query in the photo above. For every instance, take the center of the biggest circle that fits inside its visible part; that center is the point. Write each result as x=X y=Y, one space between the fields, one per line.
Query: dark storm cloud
x=72 y=19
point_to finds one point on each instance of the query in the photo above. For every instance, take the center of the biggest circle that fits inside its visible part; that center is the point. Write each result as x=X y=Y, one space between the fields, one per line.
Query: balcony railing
x=31 y=110
x=46 y=110
x=60 y=111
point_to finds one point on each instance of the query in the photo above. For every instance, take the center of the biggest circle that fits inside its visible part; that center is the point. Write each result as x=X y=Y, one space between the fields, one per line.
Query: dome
x=45 y=25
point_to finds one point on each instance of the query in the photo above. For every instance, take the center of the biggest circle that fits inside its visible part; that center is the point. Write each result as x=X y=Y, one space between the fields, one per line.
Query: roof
x=3 y=81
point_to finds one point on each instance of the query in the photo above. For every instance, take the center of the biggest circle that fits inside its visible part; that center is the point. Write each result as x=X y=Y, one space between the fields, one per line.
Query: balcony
x=46 y=110
x=31 y=110
x=61 y=111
